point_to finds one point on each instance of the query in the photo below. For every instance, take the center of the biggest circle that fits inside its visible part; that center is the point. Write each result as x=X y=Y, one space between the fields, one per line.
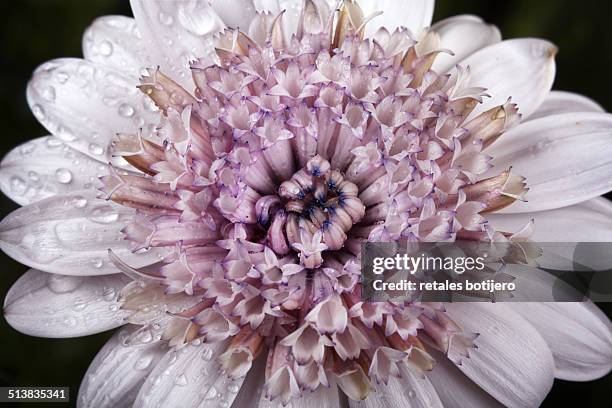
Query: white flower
x=240 y=177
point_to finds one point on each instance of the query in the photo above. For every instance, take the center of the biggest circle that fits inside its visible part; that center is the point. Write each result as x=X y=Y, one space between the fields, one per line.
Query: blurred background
x=34 y=31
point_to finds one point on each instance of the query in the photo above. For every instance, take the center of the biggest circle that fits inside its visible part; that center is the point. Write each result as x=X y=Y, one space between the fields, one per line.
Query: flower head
x=247 y=169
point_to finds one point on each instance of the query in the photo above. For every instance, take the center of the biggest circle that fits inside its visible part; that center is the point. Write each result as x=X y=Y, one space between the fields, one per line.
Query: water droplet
x=211 y=394
x=207 y=354
x=97 y=263
x=145 y=336
x=18 y=186
x=27 y=149
x=233 y=388
x=62 y=77
x=70 y=321
x=108 y=294
x=79 y=201
x=165 y=18
x=32 y=175
x=126 y=110
x=53 y=142
x=64 y=134
x=105 y=48
x=96 y=149
x=181 y=380
x=113 y=307
x=411 y=394
x=79 y=305
x=62 y=283
x=63 y=176
x=143 y=363
x=195 y=19
x=48 y=93
x=104 y=215
x=39 y=112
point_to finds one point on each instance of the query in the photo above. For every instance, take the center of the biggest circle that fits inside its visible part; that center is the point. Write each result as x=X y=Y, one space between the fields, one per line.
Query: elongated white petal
x=59 y=306
x=45 y=167
x=115 y=41
x=453 y=33
x=523 y=69
x=578 y=334
x=188 y=377
x=590 y=221
x=566 y=158
x=235 y=13
x=70 y=234
x=177 y=32
x=117 y=372
x=86 y=104
x=455 y=389
x=575 y=226
x=507 y=345
x=412 y=14
x=322 y=397
x=557 y=102
x=412 y=390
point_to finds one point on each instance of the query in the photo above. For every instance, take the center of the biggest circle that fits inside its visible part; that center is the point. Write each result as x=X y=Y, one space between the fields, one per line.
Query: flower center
x=320 y=207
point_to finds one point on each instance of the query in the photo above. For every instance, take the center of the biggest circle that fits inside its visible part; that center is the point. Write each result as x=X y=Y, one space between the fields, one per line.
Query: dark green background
x=33 y=31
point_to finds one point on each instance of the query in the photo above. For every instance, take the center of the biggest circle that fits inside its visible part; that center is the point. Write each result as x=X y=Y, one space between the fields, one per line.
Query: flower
x=245 y=150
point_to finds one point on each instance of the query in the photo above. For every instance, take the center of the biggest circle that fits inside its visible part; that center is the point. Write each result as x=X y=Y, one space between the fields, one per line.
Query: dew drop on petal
x=39 y=112
x=33 y=176
x=181 y=380
x=211 y=394
x=143 y=363
x=79 y=305
x=63 y=175
x=165 y=18
x=64 y=134
x=18 y=186
x=63 y=283
x=53 y=142
x=48 y=93
x=105 y=48
x=96 y=149
x=104 y=215
x=126 y=110
x=62 y=77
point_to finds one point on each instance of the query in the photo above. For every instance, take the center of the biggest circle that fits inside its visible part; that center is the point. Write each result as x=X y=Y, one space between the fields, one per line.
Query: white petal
x=322 y=397
x=410 y=391
x=463 y=35
x=235 y=13
x=46 y=167
x=86 y=104
x=58 y=306
x=590 y=221
x=177 y=32
x=118 y=371
x=566 y=159
x=188 y=377
x=565 y=102
x=512 y=362
x=70 y=234
x=412 y=14
x=455 y=389
x=578 y=334
x=523 y=69
x=115 y=41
